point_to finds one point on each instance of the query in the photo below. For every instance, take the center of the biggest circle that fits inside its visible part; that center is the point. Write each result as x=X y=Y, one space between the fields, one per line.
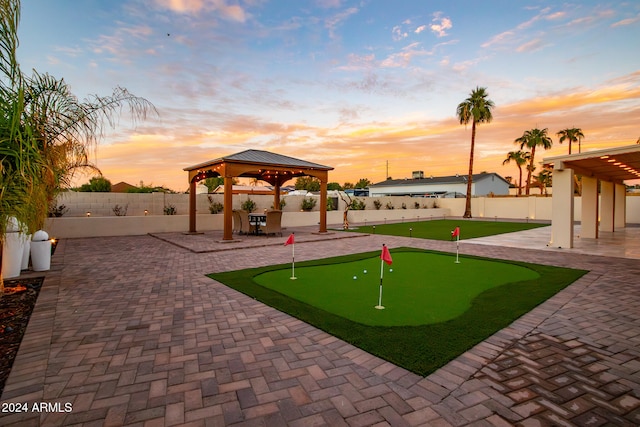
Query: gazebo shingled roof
x=273 y=168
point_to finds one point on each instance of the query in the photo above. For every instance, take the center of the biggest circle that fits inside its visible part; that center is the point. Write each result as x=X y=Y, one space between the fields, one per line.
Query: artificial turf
x=419 y=342
x=418 y=288
x=440 y=229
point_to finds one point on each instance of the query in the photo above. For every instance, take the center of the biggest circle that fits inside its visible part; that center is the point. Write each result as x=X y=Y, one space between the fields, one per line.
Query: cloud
x=531 y=46
x=625 y=22
x=403 y=58
x=335 y=21
x=397 y=33
x=230 y=12
x=441 y=25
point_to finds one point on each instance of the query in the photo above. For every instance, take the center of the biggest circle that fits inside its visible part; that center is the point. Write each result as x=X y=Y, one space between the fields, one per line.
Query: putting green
x=419 y=288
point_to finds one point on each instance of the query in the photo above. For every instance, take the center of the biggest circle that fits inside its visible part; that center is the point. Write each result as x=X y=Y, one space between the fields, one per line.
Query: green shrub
x=358 y=205
x=170 y=210
x=308 y=203
x=248 y=205
x=377 y=204
x=389 y=205
x=215 y=207
x=120 y=210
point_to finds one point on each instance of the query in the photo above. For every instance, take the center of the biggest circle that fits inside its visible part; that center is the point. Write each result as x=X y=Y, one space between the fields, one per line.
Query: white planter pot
x=12 y=254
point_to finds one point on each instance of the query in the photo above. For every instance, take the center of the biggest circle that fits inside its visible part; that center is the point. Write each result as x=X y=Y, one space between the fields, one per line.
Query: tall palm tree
x=571 y=135
x=520 y=158
x=532 y=139
x=475 y=109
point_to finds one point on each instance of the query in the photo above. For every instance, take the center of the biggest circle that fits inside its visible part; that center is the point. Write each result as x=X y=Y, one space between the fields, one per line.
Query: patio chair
x=237 y=222
x=245 y=226
x=274 y=219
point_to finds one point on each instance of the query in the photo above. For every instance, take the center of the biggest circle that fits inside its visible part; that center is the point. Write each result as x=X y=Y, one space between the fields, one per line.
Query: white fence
x=104 y=222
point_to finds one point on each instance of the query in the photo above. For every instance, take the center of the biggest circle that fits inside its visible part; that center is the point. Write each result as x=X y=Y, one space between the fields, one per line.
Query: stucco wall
x=104 y=223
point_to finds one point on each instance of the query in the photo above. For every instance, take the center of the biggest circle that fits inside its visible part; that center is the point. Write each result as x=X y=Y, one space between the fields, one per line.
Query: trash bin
x=40 y=251
x=12 y=250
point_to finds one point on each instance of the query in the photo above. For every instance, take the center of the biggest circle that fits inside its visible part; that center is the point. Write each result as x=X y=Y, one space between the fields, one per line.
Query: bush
x=358 y=205
x=416 y=205
x=120 y=210
x=389 y=205
x=58 y=211
x=248 y=205
x=170 y=210
x=215 y=207
x=404 y=206
x=308 y=203
x=377 y=204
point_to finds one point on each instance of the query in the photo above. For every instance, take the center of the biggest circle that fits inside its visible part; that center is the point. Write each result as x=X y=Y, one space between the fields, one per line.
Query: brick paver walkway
x=129 y=331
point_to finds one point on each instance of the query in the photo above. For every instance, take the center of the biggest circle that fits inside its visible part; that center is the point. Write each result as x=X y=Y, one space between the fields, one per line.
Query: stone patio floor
x=129 y=331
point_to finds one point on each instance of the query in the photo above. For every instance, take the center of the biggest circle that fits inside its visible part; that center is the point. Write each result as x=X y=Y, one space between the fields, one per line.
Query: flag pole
x=380 y=306
x=292 y=241
x=457 y=248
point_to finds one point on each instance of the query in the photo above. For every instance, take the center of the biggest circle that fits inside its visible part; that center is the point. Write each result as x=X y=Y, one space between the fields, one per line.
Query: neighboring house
x=121 y=187
x=442 y=186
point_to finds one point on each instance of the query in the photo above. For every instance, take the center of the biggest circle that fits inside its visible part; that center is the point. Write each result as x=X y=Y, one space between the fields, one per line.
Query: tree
x=571 y=135
x=334 y=186
x=97 y=184
x=544 y=180
x=308 y=183
x=520 y=158
x=213 y=182
x=532 y=139
x=348 y=185
x=475 y=109
x=363 y=183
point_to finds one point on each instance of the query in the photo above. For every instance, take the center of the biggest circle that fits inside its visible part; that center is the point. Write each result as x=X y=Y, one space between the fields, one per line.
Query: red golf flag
x=290 y=240
x=455 y=232
x=385 y=255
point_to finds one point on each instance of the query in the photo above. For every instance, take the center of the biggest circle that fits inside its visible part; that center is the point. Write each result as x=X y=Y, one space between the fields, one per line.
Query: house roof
x=265 y=158
x=121 y=187
x=452 y=179
x=613 y=164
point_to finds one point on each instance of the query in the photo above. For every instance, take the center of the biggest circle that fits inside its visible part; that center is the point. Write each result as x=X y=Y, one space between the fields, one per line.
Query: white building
x=442 y=186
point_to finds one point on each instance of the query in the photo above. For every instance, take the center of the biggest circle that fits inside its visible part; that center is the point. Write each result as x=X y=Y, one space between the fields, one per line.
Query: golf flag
x=385 y=256
x=291 y=241
x=456 y=233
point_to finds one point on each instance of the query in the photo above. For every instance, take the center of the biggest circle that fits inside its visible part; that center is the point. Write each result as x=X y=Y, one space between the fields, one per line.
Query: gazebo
x=276 y=169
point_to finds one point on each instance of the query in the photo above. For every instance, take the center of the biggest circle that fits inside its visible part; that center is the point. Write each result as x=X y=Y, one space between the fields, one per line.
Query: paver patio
x=129 y=331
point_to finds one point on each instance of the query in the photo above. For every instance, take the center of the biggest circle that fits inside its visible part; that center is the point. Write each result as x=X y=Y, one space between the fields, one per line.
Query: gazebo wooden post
x=323 y=203
x=228 y=208
x=192 y=206
x=276 y=196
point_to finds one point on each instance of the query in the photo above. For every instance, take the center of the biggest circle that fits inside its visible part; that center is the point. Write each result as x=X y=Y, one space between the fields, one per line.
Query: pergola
x=273 y=168
x=605 y=212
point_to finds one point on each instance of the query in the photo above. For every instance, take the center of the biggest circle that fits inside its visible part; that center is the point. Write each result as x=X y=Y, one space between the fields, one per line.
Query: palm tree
x=520 y=158
x=544 y=180
x=531 y=139
x=475 y=109
x=45 y=132
x=571 y=135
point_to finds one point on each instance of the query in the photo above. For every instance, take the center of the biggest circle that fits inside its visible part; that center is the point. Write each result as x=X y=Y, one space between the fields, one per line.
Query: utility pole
x=387 y=176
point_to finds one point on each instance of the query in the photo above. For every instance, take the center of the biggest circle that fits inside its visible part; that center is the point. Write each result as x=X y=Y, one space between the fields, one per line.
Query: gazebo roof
x=261 y=158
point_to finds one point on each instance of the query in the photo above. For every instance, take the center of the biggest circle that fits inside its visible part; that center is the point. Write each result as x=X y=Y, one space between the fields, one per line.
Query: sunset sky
x=348 y=84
